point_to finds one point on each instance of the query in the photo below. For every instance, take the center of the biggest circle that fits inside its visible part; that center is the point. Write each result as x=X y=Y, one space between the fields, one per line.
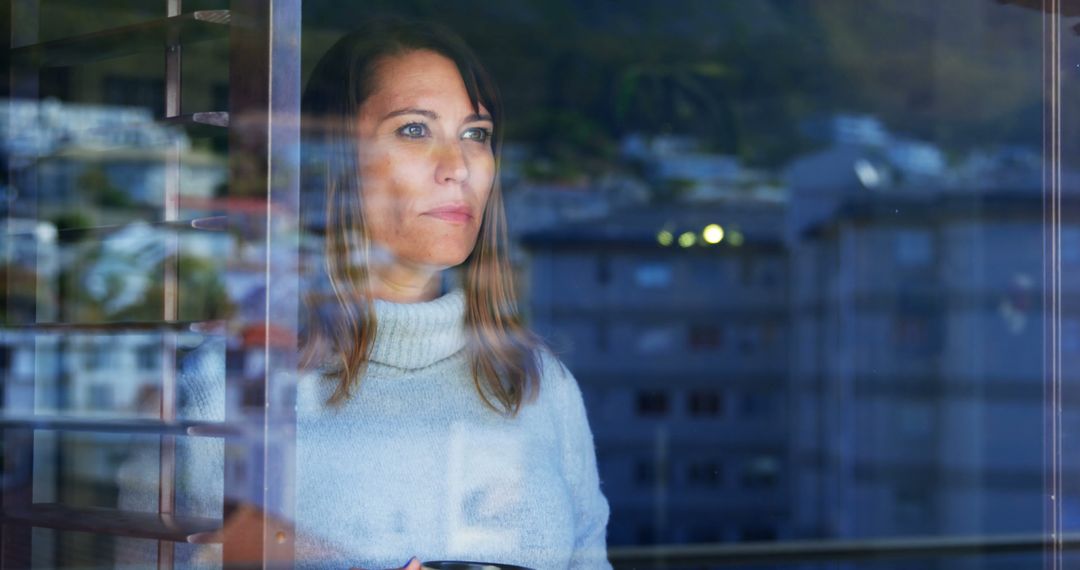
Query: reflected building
x=101 y=162
x=90 y=248
x=680 y=347
x=683 y=168
x=918 y=350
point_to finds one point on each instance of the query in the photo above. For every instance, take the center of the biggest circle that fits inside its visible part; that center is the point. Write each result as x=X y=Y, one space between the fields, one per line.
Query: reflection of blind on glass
x=116 y=269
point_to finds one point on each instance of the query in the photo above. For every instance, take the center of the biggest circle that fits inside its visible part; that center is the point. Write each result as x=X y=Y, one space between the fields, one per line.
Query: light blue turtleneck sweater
x=414 y=464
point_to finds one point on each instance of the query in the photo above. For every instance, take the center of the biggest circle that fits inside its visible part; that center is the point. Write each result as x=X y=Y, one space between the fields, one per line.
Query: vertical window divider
x=1052 y=191
x=264 y=158
x=170 y=203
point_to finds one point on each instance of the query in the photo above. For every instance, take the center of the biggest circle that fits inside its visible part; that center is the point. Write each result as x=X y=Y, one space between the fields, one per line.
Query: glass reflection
x=792 y=252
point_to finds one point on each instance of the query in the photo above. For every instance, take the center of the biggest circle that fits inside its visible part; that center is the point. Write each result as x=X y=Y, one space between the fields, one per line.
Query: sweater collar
x=417 y=335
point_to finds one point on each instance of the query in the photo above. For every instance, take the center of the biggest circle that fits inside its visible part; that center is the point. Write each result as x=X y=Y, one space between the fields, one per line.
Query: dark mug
x=461 y=565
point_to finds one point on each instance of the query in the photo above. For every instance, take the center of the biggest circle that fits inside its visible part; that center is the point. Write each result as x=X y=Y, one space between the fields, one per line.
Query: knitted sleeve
x=199 y=464
x=200 y=461
x=200 y=469
x=591 y=509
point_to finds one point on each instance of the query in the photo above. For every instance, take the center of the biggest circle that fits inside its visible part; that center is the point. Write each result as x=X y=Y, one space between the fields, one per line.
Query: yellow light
x=687 y=239
x=713 y=234
x=736 y=238
x=665 y=238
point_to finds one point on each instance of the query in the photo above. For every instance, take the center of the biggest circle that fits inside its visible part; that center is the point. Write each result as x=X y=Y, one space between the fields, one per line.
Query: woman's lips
x=453 y=214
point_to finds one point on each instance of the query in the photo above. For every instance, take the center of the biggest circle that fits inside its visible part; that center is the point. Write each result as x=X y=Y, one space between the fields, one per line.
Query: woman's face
x=426 y=162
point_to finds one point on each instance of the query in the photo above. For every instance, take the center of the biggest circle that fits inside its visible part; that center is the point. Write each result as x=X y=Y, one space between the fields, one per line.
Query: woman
x=477 y=442
x=433 y=424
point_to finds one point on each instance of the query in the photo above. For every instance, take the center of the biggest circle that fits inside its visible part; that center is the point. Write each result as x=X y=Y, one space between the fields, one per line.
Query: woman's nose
x=451 y=166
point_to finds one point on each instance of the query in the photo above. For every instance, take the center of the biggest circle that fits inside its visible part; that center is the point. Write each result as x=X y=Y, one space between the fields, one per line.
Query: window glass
x=797 y=272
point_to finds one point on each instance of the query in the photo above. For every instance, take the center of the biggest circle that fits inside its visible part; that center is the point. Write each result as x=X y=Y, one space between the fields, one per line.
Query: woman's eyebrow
x=475 y=117
x=478 y=117
x=412 y=111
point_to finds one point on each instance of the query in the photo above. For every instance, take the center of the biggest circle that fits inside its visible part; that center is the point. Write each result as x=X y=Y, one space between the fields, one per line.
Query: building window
x=653 y=275
x=706 y=533
x=914 y=247
x=652 y=403
x=706 y=337
x=915 y=419
x=915 y=334
x=100 y=397
x=711 y=273
x=767 y=274
x=94 y=357
x=757 y=533
x=648 y=473
x=1070 y=335
x=147 y=357
x=770 y=334
x=749 y=340
x=761 y=473
x=709 y=474
x=652 y=340
x=707 y=403
x=913 y=505
x=756 y=404
x=22 y=363
x=1070 y=245
x=646 y=534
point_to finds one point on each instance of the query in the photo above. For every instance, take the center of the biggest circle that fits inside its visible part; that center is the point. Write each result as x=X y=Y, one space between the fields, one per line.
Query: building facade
x=680 y=348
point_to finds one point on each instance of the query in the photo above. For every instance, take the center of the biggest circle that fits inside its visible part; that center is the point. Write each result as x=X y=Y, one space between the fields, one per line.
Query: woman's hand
x=412 y=564
x=243 y=531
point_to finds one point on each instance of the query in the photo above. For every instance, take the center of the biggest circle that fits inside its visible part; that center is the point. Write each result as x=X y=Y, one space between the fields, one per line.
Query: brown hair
x=338 y=336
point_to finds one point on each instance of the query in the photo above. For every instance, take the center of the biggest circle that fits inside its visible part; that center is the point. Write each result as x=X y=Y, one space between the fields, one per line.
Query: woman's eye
x=477 y=134
x=413 y=130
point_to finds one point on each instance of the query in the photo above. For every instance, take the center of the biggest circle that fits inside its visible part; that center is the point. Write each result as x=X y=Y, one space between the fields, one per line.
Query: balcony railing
x=804 y=551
